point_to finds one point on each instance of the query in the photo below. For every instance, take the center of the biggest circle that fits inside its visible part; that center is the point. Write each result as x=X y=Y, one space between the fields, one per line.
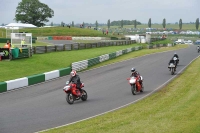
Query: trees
x=122 y=23
x=83 y=25
x=108 y=24
x=51 y=23
x=72 y=23
x=33 y=12
x=149 y=23
x=180 y=24
x=96 y=25
x=164 y=23
x=135 y=23
x=197 y=24
x=125 y=22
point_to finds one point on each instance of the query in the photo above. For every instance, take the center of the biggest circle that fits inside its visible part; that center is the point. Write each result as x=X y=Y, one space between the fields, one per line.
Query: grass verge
x=173 y=109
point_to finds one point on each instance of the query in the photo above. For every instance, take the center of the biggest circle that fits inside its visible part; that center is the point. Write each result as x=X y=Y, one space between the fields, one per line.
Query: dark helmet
x=132 y=69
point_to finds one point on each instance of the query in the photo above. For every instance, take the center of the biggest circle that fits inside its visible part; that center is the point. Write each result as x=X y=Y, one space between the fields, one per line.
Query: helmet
x=73 y=73
x=133 y=69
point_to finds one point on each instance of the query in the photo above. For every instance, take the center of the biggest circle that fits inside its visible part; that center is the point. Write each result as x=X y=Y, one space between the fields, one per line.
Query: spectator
x=22 y=43
x=7 y=45
x=8 y=42
x=106 y=32
x=103 y=31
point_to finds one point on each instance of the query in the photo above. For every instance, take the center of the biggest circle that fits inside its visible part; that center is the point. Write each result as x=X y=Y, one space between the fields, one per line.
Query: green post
x=34 y=50
x=45 y=49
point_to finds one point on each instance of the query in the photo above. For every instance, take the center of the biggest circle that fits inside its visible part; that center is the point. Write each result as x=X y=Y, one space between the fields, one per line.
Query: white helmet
x=73 y=73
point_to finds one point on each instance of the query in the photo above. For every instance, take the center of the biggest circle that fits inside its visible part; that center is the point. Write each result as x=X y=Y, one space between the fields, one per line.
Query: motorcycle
x=172 y=68
x=135 y=84
x=198 y=50
x=73 y=94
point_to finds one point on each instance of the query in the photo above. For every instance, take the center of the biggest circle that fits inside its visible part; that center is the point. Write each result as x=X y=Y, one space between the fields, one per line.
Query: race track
x=44 y=106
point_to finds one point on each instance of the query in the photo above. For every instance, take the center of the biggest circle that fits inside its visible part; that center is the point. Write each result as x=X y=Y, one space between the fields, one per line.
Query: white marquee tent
x=19 y=25
x=14 y=28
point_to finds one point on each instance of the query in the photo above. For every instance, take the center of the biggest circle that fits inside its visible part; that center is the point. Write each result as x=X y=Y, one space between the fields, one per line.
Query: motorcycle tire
x=142 y=89
x=133 y=89
x=172 y=71
x=70 y=98
x=84 y=95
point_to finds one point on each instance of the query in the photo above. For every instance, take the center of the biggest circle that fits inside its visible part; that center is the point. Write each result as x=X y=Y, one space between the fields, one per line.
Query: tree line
x=37 y=13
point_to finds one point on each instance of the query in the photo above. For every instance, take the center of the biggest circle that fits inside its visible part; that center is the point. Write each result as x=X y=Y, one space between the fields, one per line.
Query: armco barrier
x=93 y=61
x=112 y=55
x=51 y=74
x=104 y=57
x=17 y=83
x=3 y=87
x=36 y=79
x=64 y=71
x=78 y=66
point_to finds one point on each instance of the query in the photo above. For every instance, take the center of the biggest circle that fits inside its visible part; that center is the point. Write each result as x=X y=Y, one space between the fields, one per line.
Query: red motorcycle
x=73 y=94
x=135 y=84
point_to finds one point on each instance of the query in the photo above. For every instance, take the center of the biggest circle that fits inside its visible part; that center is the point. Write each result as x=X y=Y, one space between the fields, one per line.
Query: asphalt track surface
x=43 y=106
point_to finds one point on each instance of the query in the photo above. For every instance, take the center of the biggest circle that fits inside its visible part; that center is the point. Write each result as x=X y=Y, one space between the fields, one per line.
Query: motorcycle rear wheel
x=142 y=89
x=133 y=89
x=70 y=98
x=84 y=95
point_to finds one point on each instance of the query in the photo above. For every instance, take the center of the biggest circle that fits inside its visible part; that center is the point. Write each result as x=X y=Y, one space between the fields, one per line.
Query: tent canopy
x=20 y=25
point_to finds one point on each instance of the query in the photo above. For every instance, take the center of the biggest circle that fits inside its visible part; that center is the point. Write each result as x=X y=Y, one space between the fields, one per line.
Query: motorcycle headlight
x=132 y=80
x=66 y=87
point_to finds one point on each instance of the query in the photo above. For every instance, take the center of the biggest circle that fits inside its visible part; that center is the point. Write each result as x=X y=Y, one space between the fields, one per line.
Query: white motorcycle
x=172 y=68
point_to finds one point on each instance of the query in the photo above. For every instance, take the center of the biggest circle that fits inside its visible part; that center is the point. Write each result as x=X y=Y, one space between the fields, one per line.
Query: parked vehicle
x=135 y=84
x=73 y=94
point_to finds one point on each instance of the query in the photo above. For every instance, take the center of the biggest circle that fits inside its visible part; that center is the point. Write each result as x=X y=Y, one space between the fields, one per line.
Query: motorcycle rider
x=172 y=61
x=176 y=55
x=135 y=73
x=75 y=79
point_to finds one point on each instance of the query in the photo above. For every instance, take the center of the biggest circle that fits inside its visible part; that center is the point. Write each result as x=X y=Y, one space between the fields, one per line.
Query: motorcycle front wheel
x=84 y=95
x=142 y=89
x=172 y=71
x=133 y=89
x=70 y=98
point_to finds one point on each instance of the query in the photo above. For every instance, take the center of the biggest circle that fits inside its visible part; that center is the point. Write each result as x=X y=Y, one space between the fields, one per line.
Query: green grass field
x=172 y=109
x=173 y=26
x=52 y=61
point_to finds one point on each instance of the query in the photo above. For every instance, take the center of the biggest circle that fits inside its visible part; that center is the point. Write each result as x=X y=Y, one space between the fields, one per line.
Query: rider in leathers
x=75 y=79
x=172 y=61
x=135 y=73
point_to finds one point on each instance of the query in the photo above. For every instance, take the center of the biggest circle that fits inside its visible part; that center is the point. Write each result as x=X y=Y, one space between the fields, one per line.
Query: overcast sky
x=89 y=11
